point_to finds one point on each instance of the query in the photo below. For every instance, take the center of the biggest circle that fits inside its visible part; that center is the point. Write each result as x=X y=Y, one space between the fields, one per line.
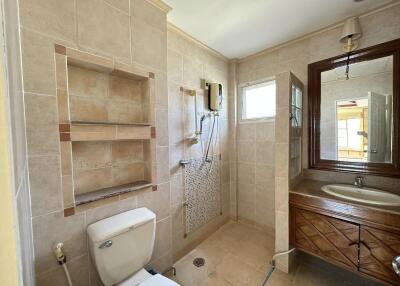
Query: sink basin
x=363 y=195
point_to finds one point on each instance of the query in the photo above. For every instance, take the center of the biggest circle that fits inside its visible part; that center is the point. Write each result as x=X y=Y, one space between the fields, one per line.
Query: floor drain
x=199 y=261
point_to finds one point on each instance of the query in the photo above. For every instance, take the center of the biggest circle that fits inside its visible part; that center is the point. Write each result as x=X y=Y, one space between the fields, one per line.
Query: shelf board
x=110 y=192
x=78 y=122
x=105 y=131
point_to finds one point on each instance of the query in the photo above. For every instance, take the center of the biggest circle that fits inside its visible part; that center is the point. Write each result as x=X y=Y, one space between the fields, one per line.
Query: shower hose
x=273 y=266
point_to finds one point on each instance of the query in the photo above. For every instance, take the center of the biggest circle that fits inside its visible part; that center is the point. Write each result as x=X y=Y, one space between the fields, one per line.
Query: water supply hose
x=210 y=140
x=62 y=260
x=273 y=265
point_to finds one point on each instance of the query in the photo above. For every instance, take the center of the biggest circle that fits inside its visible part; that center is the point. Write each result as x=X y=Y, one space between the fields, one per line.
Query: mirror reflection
x=356 y=113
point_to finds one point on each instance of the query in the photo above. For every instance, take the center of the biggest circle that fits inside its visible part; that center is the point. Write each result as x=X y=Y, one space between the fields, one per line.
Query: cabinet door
x=377 y=250
x=330 y=238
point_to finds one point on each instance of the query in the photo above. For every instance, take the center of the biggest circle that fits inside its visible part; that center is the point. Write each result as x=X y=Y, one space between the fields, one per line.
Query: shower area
x=201 y=169
x=268 y=141
x=237 y=164
x=199 y=162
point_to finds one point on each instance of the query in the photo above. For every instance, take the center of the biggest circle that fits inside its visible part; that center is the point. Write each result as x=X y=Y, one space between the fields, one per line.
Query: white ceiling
x=238 y=28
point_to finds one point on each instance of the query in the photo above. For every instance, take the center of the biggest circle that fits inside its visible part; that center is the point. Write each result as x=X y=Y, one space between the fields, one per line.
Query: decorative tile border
x=69 y=211
x=59 y=49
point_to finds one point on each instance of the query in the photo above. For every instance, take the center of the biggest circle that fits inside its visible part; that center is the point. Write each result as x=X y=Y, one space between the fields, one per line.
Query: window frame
x=241 y=103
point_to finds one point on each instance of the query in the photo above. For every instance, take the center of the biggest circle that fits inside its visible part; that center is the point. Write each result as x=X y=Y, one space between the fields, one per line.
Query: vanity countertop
x=312 y=188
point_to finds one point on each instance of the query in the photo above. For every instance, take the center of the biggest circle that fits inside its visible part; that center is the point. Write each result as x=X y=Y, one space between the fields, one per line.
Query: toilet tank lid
x=120 y=223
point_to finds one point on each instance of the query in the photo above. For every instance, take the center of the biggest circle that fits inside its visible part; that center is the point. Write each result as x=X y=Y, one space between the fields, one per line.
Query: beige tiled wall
x=129 y=31
x=232 y=134
x=256 y=168
x=187 y=64
x=98 y=165
x=96 y=96
x=15 y=99
x=282 y=139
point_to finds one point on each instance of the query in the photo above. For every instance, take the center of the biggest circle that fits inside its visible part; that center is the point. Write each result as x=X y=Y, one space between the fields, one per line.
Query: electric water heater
x=214 y=96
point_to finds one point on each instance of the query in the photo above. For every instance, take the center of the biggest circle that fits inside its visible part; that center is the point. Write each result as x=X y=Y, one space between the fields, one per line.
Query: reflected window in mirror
x=356 y=113
x=352 y=130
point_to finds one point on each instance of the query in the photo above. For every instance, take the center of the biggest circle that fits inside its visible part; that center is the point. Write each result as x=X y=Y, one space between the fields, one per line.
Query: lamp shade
x=351 y=29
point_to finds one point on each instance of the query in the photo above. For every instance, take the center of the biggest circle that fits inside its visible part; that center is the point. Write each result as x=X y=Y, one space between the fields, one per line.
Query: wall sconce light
x=351 y=33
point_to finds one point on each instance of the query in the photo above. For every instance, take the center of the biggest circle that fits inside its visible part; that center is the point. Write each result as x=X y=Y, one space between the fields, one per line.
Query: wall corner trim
x=190 y=38
x=160 y=5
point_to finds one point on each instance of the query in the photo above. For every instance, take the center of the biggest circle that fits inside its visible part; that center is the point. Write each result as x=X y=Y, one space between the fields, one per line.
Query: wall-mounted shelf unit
x=106 y=124
x=101 y=131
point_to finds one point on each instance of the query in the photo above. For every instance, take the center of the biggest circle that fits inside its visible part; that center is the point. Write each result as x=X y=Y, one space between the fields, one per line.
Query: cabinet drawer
x=377 y=249
x=326 y=237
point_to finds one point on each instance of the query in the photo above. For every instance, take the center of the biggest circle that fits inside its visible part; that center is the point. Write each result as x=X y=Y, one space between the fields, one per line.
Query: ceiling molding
x=312 y=34
x=160 y=5
x=185 y=35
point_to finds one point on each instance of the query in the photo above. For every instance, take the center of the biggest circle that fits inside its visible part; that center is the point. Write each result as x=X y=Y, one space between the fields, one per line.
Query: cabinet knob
x=396 y=264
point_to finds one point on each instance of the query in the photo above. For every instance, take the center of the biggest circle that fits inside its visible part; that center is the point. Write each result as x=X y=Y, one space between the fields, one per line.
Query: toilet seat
x=144 y=278
x=158 y=280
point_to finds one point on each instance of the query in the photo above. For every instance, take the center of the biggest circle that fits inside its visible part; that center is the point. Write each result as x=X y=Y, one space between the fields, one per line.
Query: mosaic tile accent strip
x=202 y=192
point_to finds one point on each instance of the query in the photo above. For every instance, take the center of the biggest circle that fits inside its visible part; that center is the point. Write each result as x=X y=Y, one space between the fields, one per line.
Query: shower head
x=202 y=118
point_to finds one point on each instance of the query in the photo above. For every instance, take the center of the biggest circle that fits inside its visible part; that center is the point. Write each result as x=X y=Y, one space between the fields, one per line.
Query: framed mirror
x=354 y=110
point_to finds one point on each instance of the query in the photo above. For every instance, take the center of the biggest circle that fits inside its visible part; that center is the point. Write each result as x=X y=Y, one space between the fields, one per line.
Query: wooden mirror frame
x=391 y=48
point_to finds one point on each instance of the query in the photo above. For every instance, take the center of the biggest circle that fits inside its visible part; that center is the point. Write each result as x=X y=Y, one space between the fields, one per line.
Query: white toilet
x=122 y=245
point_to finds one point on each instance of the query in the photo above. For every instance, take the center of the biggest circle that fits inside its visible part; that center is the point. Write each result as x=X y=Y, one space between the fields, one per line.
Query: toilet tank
x=122 y=244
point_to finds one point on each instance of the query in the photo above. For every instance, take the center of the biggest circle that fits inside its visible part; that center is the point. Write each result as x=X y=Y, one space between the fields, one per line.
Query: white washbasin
x=363 y=195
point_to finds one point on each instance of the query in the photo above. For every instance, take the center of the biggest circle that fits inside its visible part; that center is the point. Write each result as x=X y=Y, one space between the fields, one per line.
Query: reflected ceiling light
x=351 y=33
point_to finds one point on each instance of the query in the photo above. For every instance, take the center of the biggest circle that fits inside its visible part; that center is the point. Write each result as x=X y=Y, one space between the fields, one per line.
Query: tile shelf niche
x=84 y=131
x=106 y=128
x=110 y=192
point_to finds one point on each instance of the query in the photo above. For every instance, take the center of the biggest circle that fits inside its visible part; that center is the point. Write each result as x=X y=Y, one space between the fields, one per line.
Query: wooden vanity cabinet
x=327 y=237
x=377 y=249
x=345 y=242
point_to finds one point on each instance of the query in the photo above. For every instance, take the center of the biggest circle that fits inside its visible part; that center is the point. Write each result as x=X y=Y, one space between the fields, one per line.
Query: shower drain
x=199 y=261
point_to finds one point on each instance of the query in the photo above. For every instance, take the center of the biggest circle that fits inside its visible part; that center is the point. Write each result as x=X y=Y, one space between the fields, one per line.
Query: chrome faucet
x=359 y=182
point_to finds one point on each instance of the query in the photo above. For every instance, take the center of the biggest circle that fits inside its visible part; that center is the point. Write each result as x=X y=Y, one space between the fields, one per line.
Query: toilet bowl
x=122 y=245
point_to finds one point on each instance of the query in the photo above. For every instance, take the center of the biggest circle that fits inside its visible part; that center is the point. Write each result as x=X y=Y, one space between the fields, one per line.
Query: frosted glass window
x=296 y=104
x=259 y=101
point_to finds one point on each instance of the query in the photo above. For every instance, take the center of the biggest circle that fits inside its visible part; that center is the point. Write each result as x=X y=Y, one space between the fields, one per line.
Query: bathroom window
x=258 y=101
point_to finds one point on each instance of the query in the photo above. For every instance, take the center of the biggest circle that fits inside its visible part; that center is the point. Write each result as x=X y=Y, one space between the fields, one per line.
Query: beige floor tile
x=235 y=271
x=213 y=254
x=188 y=274
x=214 y=280
x=254 y=254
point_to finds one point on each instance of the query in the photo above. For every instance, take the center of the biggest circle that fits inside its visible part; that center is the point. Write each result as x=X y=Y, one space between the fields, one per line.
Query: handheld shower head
x=202 y=118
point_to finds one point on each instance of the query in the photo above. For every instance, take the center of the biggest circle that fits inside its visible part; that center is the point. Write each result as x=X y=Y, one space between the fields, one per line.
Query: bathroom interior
x=194 y=143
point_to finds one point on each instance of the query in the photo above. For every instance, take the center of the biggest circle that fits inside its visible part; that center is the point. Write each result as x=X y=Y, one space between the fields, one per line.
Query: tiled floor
x=238 y=254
